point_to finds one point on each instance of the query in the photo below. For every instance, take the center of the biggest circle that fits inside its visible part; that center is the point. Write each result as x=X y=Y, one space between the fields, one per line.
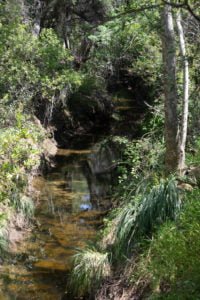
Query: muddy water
x=66 y=217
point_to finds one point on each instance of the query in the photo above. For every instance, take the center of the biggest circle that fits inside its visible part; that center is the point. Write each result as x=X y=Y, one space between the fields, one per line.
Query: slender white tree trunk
x=170 y=89
x=184 y=120
x=37 y=19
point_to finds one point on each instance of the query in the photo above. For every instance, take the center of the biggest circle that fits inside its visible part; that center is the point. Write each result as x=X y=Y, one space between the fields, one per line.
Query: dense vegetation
x=63 y=64
x=29 y=67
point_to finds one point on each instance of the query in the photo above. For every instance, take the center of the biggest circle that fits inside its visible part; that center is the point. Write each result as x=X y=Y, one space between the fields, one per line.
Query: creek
x=72 y=200
x=70 y=207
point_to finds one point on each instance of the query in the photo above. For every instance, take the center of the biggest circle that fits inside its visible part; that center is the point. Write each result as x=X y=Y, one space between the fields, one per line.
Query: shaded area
x=73 y=199
x=68 y=215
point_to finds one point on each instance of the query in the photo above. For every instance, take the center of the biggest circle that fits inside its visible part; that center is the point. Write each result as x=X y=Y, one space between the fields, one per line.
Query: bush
x=133 y=168
x=20 y=152
x=31 y=66
x=172 y=259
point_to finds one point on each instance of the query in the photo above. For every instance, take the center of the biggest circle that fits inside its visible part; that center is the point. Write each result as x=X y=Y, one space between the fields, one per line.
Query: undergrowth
x=20 y=150
x=139 y=218
x=171 y=261
x=141 y=162
x=143 y=204
x=90 y=268
x=154 y=229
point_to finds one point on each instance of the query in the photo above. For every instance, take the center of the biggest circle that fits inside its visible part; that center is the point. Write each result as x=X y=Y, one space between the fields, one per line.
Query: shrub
x=32 y=67
x=19 y=155
x=172 y=258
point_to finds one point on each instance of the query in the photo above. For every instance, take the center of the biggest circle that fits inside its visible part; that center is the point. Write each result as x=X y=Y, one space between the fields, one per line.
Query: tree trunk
x=37 y=8
x=184 y=120
x=170 y=90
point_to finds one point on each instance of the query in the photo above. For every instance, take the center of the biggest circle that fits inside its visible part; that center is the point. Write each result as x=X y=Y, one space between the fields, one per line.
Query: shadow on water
x=73 y=197
x=72 y=201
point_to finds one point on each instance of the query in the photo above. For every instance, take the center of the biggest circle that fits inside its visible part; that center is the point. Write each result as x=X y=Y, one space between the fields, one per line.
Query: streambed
x=67 y=216
x=72 y=200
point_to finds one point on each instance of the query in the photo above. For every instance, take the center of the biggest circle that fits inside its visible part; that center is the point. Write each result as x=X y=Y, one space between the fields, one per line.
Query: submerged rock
x=51 y=265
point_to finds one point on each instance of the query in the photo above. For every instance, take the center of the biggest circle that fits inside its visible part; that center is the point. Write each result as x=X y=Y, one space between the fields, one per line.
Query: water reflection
x=67 y=216
x=65 y=219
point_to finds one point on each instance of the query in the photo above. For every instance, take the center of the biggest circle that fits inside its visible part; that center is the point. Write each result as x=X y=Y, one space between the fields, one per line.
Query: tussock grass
x=148 y=209
x=3 y=243
x=138 y=218
x=3 y=235
x=90 y=268
x=162 y=203
x=23 y=204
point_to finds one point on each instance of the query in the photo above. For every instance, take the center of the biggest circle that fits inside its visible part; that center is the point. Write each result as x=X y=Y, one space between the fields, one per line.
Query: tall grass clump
x=24 y=205
x=3 y=235
x=3 y=241
x=140 y=217
x=90 y=268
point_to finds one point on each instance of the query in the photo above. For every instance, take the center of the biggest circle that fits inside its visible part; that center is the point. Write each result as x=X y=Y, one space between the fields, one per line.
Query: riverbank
x=151 y=211
x=23 y=146
x=67 y=216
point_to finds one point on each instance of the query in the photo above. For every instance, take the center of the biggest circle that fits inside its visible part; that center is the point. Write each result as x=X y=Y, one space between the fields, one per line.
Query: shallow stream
x=70 y=206
x=67 y=216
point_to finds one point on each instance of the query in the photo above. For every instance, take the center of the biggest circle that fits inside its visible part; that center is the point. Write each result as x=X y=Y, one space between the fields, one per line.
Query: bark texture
x=170 y=89
x=184 y=120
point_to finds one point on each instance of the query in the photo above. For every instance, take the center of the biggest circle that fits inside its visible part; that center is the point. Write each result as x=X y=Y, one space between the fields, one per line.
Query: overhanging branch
x=131 y=11
x=185 y=5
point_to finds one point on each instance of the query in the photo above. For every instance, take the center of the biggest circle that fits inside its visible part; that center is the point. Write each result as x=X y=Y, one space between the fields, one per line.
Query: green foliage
x=129 y=41
x=20 y=152
x=23 y=204
x=32 y=66
x=3 y=240
x=90 y=268
x=91 y=84
x=139 y=160
x=3 y=233
x=149 y=209
x=192 y=35
x=193 y=157
x=148 y=202
x=172 y=258
x=154 y=123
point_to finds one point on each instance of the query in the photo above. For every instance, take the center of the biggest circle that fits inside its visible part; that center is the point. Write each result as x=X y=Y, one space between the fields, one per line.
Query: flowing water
x=67 y=216
x=70 y=206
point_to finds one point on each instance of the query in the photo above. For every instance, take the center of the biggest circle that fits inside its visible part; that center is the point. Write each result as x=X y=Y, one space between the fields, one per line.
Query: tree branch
x=192 y=12
x=185 y=5
x=130 y=11
x=176 y=5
